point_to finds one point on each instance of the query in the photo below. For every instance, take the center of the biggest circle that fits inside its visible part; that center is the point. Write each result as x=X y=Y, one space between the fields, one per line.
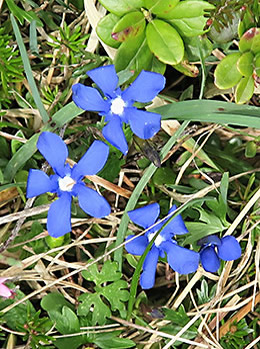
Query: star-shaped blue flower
x=213 y=249
x=67 y=182
x=117 y=105
x=180 y=259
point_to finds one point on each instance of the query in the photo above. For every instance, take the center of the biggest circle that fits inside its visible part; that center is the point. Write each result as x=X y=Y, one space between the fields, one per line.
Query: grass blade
x=28 y=72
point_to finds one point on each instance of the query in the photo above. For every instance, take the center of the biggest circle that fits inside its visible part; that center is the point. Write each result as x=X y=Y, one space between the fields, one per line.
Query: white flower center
x=158 y=240
x=117 y=106
x=66 y=183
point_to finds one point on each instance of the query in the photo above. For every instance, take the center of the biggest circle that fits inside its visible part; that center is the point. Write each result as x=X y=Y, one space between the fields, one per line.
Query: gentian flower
x=180 y=259
x=213 y=249
x=4 y=290
x=117 y=105
x=67 y=182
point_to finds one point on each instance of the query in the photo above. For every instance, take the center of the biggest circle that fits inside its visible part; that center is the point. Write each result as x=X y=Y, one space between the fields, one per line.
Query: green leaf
x=105 y=27
x=100 y=311
x=133 y=55
x=54 y=301
x=245 y=63
x=20 y=14
x=198 y=230
x=197 y=47
x=165 y=42
x=121 y=7
x=17 y=316
x=108 y=273
x=226 y=74
x=161 y=8
x=129 y=26
x=28 y=72
x=250 y=41
x=188 y=17
x=211 y=111
x=244 y=90
x=117 y=288
x=164 y=175
x=111 y=341
x=64 y=115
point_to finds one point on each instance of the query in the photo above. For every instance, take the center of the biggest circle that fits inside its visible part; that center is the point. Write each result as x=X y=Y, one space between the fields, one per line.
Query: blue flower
x=180 y=259
x=213 y=249
x=117 y=105
x=67 y=182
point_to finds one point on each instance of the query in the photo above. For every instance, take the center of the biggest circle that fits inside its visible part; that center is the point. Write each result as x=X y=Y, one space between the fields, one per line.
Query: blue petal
x=149 y=268
x=136 y=246
x=55 y=151
x=145 y=216
x=114 y=134
x=105 y=78
x=38 y=183
x=229 y=249
x=58 y=219
x=143 y=123
x=91 y=202
x=176 y=226
x=88 y=98
x=92 y=161
x=209 y=259
x=209 y=240
x=145 y=87
x=180 y=259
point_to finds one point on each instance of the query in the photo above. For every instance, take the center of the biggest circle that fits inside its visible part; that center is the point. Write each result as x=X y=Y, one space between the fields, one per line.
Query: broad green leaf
x=226 y=74
x=250 y=41
x=129 y=27
x=161 y=8
x=244 y=90
x=100 y=310
x=198 y=230
x=54 y=301
x=197 y=47
x=165 y=42
x=164 y=175
x=157 y=66
x=245 y=63
x=256 y=43
x=121 y=7
x=74 y=342
x=188 y=17
x=133 y=55
x=111 y=341
x=109 y=272
x=105 y=27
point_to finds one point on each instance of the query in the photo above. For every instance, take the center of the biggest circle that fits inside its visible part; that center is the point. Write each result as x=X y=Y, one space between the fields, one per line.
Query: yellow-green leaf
x=129 y=26
x=161 y=8
x=226 y=74
x=165 y=42
x=244 y=90
x=245 y=63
